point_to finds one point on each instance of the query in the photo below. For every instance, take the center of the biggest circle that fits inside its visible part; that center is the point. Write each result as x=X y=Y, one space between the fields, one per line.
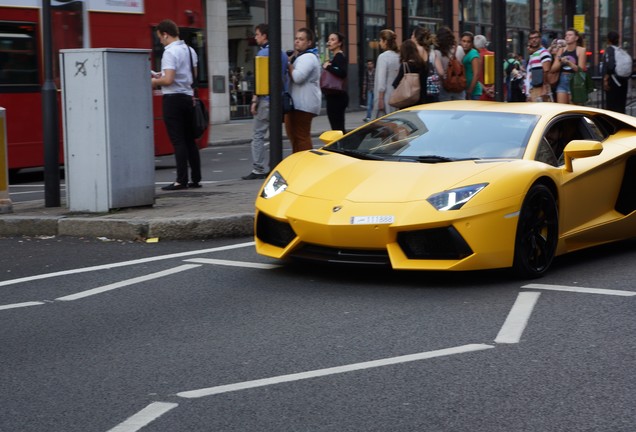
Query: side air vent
x=626 y=202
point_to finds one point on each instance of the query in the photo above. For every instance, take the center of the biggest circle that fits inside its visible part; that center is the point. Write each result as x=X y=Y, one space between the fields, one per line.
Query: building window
x=552 y=19
x=242 y=17
x=375 y=7
x=518 y=13
x=326 y=23
x=371 y=31
x=477 y=11
x=422 y=8
x=326 y=4
x=608 y=14
x=426 y=14
x=323 y=18
x=627 y=37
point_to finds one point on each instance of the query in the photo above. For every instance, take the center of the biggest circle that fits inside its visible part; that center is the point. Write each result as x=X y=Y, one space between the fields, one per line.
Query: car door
x=588 y=193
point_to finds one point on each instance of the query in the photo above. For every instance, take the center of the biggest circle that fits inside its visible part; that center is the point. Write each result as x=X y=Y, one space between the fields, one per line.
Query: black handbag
x=288 y=102
x=201 y=117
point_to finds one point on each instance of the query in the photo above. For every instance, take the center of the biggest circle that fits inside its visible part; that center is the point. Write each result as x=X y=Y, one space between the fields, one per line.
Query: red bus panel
x=72 y=26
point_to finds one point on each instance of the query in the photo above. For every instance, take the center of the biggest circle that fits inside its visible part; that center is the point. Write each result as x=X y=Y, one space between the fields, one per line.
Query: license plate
x=372 y=220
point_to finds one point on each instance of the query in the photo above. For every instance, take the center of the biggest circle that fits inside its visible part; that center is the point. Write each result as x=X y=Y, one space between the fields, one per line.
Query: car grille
x=274 y=232
x=338 y=255
x=437 y=243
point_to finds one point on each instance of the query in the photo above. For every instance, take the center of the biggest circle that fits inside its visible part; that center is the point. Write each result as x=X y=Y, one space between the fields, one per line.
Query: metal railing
x=597 y=97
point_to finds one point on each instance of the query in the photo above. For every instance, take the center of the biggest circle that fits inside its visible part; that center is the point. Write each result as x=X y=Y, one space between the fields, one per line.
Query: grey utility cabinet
x=108 y=131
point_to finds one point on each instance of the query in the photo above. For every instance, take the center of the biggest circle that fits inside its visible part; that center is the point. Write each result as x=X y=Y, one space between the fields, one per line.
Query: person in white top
x=386 y=69
x=304 y=70
x=175 y=80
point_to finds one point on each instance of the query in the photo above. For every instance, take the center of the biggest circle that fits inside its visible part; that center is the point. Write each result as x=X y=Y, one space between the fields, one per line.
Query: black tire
x=537 y=233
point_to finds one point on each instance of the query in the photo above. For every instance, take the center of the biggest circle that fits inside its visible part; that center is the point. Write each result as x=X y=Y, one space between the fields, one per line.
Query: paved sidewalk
x=221 y=209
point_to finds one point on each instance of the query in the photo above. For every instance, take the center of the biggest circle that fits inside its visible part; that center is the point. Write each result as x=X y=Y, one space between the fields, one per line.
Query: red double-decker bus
x=82 y=24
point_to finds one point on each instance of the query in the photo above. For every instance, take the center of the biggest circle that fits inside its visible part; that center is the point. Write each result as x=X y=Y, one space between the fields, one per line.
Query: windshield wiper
x=436 y=159
x=353 y=153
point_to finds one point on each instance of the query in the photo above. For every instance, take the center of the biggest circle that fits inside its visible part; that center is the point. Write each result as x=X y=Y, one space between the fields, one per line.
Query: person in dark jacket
x=336 y=102
x=615 y=87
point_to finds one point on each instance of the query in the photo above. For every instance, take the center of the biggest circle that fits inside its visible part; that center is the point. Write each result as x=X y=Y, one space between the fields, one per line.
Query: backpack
x=511 y=65
x=455 y=79
x=623 y=63
x=517 y=93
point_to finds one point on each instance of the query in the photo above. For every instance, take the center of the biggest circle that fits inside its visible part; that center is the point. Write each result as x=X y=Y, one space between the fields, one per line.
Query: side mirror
x=330 y=136
x=578 y=149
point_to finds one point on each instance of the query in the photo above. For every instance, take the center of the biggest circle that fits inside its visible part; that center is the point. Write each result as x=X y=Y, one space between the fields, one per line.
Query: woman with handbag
x=387 y=67
x=176 y=80
x=413 y=63
x=335 y=70
x=568 y=61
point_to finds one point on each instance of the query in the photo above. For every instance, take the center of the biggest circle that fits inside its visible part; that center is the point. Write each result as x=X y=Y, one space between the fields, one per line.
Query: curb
x=240 y=225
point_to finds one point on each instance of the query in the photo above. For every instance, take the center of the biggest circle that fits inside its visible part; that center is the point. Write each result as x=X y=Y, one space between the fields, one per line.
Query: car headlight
x=275 y=185
x=454 y=199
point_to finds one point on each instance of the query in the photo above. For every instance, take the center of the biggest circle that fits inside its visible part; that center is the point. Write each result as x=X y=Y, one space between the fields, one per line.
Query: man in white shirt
x=177 y=65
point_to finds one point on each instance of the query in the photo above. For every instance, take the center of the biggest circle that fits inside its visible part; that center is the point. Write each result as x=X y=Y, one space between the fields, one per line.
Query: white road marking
x=144 y=417
x=100 y=290
x=580 y=290
x=124 y=263
x=331 y=371
x=518 y=317
x=232 y=263
x=21 y=305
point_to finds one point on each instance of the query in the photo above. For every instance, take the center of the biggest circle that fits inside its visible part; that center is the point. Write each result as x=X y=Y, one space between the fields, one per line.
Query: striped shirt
x=537 y=59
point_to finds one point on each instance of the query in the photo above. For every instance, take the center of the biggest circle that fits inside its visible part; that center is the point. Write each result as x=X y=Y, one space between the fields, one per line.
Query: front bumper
x=415 y=237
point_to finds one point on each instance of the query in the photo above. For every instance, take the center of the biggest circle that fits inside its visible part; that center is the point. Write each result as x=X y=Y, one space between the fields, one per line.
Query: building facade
x=231 y=46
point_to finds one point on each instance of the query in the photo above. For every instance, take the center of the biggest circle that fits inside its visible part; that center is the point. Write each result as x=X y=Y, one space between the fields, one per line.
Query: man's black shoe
x=174 y=186
x=194 y=185
x=254 y=176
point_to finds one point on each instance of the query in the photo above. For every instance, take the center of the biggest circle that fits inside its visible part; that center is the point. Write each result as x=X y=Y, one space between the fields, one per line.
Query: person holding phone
x=176 y=81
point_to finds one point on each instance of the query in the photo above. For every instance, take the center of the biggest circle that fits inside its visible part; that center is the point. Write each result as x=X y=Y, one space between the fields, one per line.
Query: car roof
x=544 y=109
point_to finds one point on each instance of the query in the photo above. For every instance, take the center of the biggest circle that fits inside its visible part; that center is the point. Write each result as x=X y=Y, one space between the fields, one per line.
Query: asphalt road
x=208 y=336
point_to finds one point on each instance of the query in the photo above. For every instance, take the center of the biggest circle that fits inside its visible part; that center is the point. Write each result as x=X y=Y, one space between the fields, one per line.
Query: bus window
x=18 y=56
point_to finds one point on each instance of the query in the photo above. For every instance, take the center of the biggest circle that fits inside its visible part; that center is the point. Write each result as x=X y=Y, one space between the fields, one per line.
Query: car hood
x=329 y=176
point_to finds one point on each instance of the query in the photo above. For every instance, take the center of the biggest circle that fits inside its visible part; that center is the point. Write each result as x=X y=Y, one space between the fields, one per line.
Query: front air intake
x=274 y=232
x=434 y=244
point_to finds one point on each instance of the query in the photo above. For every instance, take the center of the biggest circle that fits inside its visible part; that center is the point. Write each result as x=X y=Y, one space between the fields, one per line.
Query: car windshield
x=440 y=136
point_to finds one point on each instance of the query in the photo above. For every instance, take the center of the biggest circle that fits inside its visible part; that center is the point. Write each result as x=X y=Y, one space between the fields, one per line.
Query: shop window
x=326 y=23
x=477 y=11
x=425 y=8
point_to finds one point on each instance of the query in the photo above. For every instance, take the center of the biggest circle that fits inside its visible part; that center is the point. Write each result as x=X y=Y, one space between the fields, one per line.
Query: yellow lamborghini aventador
x=456 y=186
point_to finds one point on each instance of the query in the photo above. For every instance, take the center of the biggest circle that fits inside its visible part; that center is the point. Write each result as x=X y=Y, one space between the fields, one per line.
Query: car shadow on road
x=386 y=276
